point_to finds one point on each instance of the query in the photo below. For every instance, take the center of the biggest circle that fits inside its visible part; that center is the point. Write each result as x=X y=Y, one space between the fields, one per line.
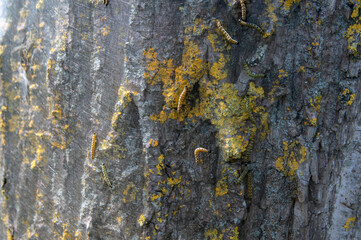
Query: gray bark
x=71 y=69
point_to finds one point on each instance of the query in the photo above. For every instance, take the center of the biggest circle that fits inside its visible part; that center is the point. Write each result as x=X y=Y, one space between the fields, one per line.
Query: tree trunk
x=104 y=105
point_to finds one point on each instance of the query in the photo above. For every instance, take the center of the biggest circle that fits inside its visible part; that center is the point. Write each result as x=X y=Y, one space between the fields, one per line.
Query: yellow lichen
x=222 y=187
x=315 y=43
x=218 y=68
x=155 y=197
x=189 y=72
x=212 y=234
x=289 y=162
x=160 y=165
x=219 y=101
x=270 y=13
x=125 y=97
x=152 y=143
x=39 y=160
x=282 y=73
x=288 y=3
x=130 y=191
x=174 y=181
x=301 y=69
x=105 y=31
x=235 y=234
x=353 y=31
x=352 y=98
x=141 y=220
x=2 y=49
x=13 y=123
x=349 y=223
x=316 y=103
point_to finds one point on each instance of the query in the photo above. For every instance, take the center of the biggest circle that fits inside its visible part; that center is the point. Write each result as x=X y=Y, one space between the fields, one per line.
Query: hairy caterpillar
x=181 y=98
x=249 y=111
x=251 y=25
x=105 y=174
x=251 y=74
x=250 y=145
x=249 y=187
x=198 y=150
x=243 y=174
x=93 y=146
x=106 y=2
x=227 y=36
x=243 y=7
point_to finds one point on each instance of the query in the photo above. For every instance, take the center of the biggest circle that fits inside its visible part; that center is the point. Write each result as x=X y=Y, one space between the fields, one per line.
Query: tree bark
x=278 y=114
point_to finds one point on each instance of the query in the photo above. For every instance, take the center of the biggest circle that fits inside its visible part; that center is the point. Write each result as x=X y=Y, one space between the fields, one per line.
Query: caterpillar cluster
x=251 y=25
x=251 y=74
x=105 y=175
x=243 y=174
x=250 y=187
x=226 y=35
x=106 y=2
x=181 y=98
x=243 y=8
x=197 y=151
x=94 y=140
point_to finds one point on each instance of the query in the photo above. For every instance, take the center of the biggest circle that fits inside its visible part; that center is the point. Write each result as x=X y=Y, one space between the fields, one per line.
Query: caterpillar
x=251 y=74
x=181 y=98
x=198 y=150
x=243 y=174
x=249 y=187
x=93 y=146
x=251 y=25
x=105 y=174
x=227 y=36
x=243 y=7
x=106 y=2
x=249 y=111
x=250 y=145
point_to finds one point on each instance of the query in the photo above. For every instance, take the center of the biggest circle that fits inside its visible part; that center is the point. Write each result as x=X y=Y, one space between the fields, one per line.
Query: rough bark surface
x=71 y=69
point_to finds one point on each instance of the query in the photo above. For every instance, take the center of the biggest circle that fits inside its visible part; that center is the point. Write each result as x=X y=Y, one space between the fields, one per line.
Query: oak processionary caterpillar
x=243 y=7
x=197 y=151
x=250 y=146
x=251 y=25
x=249 y=111
x=105 y=174
x=227 y=36
x=251 y=74
x=243 y=174
x=181 y=98
x=249 y=187
x=93 y=146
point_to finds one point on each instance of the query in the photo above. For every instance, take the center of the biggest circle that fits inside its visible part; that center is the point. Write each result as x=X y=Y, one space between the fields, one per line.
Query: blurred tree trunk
x=71 y=69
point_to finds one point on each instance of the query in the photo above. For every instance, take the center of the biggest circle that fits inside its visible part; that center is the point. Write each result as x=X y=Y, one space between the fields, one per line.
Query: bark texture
x=284 y=149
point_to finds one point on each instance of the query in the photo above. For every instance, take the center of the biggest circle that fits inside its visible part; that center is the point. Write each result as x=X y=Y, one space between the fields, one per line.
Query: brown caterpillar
x=227 y=36
x=181 y=98
x=250 y=187
x=251 y=25
x=93 y=146
x=198 y=150
x=243 y=174
x=251 y=74
x=106 y=2
x=105 y=174
x=243 y=7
